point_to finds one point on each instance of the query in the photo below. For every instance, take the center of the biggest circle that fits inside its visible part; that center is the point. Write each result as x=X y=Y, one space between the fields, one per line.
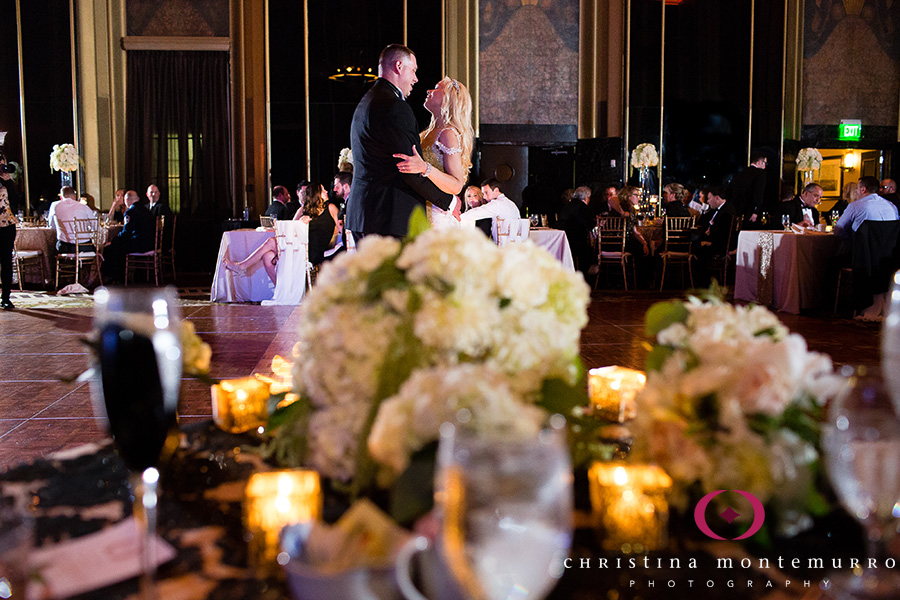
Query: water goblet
x=505 y=508
x=786 y=222
x=861 y=440
x=138 y=361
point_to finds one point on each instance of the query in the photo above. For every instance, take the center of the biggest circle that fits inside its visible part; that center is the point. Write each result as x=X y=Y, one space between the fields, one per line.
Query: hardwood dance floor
x=39 y=414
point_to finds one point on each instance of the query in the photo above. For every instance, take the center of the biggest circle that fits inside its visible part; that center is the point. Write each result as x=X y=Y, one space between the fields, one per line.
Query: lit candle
x=274 y=500
x=629 y=506
x=240 y=405
x=612 y=391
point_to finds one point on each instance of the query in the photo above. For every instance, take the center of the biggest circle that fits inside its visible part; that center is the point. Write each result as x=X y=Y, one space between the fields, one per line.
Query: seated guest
x=802 y=209
x=629 y=198
x=279 y=207
x=137 y=236
x=675 y=199
x=66 y=209
x=697 y=204
x=474 y=199
x=575 y=219
x=116 y=212
x=496 y=206
x=888 y=191
x=161 y=209
x=325 y=229
x=603 y=206
x=869 y=207
x=710 y=235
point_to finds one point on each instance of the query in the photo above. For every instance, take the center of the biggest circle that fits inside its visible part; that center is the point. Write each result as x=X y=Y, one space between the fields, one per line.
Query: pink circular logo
x=759 y=514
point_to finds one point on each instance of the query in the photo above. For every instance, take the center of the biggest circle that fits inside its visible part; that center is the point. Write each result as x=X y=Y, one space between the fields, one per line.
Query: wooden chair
x=723 y=264
x=168 y=254
x=677 y=249
x=502 y=230
x=84 y=231
x=149 y=261
x=611 y=236
x=24 y=259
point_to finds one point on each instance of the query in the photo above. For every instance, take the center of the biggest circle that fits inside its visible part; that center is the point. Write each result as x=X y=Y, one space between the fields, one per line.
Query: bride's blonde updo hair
x=456 y=112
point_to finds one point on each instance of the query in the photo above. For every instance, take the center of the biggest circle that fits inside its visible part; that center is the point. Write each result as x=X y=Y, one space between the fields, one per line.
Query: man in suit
x=161 y=209
x=382 y=198
x=576 y=220
x=711 y=233
x=802 y=208
x=747 y=188
x=136 y=236
x=280 y=208
x=888 y=191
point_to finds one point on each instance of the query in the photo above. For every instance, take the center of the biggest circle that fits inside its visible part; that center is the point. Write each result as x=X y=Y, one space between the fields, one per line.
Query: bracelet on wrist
x=427 y=170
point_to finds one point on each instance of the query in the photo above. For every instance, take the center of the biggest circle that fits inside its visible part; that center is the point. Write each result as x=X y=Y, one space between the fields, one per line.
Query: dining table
x=255 y=286
x=788 y=271
x=84 y=491
x=555 y=242
x=43 y=238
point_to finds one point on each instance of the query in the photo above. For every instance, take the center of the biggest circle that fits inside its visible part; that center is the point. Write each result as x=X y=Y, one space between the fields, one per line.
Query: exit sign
x=850 y=129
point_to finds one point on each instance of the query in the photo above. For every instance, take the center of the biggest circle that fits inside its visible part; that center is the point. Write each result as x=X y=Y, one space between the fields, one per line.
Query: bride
x=446 y=145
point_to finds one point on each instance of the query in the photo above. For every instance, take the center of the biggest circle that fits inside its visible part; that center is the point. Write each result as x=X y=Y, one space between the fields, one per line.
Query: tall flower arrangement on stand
x=732 y=402
x=808 y=160
x=399 y=337
x=64 y=158
x=643 y=157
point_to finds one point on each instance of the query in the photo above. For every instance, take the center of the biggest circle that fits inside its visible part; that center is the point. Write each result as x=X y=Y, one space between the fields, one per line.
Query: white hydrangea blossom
x=732 y=362
x=644 y=155
x=809 y=159
x=64 y=158
x=492 y=322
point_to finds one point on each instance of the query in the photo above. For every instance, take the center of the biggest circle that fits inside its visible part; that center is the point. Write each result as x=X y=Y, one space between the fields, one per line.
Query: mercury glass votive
x=239 y=405
x=272 y=501
x=629 y=507
x=612 y=391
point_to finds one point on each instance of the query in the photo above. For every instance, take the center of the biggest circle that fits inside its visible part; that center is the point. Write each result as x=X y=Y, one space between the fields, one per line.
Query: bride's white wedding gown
x=434 y=155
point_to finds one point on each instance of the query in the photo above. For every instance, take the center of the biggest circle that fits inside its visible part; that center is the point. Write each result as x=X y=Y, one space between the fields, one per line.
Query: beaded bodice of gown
x=434 y=155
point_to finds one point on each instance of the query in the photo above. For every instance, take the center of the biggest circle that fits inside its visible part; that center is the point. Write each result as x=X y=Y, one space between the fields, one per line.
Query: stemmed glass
x=138 y=359
x=862 y=450
x=786 y=222
x=505 y=508
x=890 y=342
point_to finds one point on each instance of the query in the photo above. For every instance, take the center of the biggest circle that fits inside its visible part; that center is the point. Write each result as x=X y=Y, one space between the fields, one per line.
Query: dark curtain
x=180 y=99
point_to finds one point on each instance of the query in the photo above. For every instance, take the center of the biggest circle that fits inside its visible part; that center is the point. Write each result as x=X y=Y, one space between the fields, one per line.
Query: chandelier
x=342 y=73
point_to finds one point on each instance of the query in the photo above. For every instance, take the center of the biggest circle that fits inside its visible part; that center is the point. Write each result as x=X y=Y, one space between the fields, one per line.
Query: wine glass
x=890 y=342
x=786 y=222
x=862 y=450
x=506 y=510
x=138 y=361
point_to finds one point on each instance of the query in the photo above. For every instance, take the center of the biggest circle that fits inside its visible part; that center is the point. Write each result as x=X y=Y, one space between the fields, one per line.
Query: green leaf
x=386 y=277
x=412 y=493
x=557 y=396
x=663 y=314
x=418 y=223
x=658 y=356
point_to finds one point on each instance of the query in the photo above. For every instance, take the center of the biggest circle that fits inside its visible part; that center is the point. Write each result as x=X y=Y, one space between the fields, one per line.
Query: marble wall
x=528 y=62
x=200 y=18
x=851 y=62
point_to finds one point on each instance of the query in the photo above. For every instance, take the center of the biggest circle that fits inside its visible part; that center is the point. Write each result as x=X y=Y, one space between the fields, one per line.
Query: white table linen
x=555 y=242
x=255 y=286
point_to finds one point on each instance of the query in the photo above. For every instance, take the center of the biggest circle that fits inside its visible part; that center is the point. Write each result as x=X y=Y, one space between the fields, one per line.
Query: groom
x=382 y=198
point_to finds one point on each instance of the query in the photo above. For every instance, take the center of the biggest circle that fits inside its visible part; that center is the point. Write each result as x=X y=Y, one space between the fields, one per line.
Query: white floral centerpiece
x=345 y=160
x=644 y=156
x=64 y=157
x=809 y=159
x=732 y=403
x=401 y=336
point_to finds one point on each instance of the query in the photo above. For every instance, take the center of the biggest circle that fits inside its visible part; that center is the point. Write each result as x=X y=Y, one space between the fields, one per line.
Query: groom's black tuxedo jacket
x=381 y=197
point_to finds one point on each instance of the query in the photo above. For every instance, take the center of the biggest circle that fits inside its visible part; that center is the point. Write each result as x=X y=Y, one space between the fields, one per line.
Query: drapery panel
x=177 y=130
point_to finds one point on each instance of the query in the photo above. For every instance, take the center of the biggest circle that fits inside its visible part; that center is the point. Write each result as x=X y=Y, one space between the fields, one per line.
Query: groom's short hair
x=393 y=53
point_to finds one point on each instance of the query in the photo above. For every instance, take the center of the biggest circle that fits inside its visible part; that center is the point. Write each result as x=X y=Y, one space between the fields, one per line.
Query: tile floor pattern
x=40 y=414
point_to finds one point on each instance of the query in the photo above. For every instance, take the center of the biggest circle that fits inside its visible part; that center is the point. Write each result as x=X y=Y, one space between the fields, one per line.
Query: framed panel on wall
x=831 y=178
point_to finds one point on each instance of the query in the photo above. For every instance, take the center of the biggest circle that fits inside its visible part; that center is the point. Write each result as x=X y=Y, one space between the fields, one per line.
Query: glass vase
x=65 y=178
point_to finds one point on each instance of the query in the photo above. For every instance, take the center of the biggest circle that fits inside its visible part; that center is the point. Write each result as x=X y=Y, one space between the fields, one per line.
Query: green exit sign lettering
x=850 y=129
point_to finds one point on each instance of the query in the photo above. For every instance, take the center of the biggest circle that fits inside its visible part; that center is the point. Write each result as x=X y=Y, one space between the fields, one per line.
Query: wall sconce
x=849 y=161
